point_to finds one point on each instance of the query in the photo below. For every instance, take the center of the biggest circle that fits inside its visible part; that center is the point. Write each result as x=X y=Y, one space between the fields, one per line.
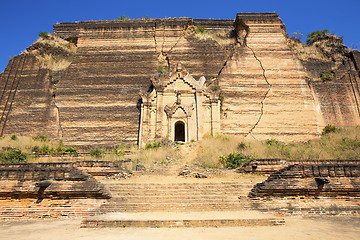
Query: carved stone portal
x=178 y=108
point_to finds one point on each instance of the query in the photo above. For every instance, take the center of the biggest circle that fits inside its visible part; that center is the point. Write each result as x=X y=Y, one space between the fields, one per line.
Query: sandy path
x=296 y=228
x=221 y=176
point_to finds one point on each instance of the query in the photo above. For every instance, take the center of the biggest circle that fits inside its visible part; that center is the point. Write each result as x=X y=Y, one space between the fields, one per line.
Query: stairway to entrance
x=179 y=204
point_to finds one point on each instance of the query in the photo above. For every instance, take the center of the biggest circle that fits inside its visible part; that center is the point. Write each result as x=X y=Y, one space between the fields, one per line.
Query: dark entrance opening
x=179 y=131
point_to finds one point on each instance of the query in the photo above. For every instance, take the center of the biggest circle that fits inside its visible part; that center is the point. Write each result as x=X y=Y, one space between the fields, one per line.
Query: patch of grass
x=54 y=63
x=52 y=52
x=96 y=152
x=45 y=149
x=207 y=151
x=153 y=145
x=152 y=156
x=223 y=38
x=306 y=53
x=281 y=149
x=40 y=138
x=349 y=144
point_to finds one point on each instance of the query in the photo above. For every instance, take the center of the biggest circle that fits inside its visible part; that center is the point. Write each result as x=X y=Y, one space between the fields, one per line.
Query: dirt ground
x=295 y=228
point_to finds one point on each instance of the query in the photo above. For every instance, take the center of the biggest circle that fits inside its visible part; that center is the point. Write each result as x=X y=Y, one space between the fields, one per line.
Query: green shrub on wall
x=314 y=36
x=201 y=30
x=12 y=155
x=43 y=34
x=233 y=160
x=329 y=129
x=326 y=76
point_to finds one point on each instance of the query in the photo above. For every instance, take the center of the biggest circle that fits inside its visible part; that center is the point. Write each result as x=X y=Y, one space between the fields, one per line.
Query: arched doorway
x=179 y=131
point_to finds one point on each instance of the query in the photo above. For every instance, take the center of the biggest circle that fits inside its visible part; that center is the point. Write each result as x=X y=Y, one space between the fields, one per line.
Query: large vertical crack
x=229 y=57
x=155 y=35
x=266 y=94
x=163 y=56
x=58 y=117
x=53 y=92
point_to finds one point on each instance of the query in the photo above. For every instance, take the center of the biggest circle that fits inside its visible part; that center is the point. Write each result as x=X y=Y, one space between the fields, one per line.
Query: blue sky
x=21 y=20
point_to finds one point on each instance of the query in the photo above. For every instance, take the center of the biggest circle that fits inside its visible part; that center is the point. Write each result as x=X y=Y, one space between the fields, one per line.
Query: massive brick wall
x=26 y=104
x=336 y=100
x=264 y=85
x=98 y=95
x=96 y=99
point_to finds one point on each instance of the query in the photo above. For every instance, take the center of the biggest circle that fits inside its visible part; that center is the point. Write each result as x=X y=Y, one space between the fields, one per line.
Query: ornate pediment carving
x=179 y=72
x=171 y=109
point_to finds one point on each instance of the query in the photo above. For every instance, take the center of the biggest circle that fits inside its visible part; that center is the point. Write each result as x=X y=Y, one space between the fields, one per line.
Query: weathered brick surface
x=269 y=166
x=308 y=206
x=264 y=85
x=24 y=209
x=300 y=180
x=296 y=190
x=98 y=95
x=20 y=181
x=25 y=94
x=68 y=191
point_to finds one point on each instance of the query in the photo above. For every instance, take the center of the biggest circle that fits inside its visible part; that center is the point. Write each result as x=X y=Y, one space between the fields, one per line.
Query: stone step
x=179 y=188
x=178 y=193
x=172 y=207
x=176 y=203
x=179 y=220
x=192 y=185
x=174 y=196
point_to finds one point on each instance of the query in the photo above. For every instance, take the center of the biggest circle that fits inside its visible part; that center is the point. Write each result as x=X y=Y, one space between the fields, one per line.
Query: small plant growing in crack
x=329 y=129
x=43 y=34
x=327 y=76
x=161 y=69
x=201 y=30
x=214 y=88
x=316 y=35
x=123 y=17
x=221 y=99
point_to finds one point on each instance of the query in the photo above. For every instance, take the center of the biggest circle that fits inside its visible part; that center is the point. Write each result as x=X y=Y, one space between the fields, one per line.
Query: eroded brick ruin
x=140 y=81
x=264 y=90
